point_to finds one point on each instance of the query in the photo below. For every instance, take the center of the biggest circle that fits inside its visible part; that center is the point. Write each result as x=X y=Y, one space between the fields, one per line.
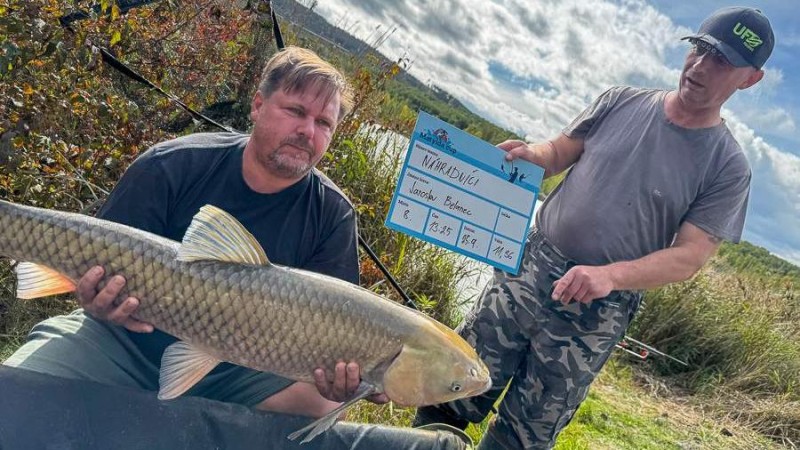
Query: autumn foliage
x=69 y=123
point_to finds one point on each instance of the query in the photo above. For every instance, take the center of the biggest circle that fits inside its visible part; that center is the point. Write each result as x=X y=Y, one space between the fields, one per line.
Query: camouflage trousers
x=549 y=352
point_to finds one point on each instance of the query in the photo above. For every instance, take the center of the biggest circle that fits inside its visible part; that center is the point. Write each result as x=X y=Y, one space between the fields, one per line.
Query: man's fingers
x=345 y=382
x=321 y=381
x=87 y=285
x=514 y=148
x=508 y=145
x=346 y=378
x=570 y=293
x=353 y=378
x=137 y=326
x=564 y=289
x=340 y=381
x=101 y=304
x=560 y=286
x=557 y=290
x=583 y=294
x=378 y=399
x=104 y=300
x=120 y=314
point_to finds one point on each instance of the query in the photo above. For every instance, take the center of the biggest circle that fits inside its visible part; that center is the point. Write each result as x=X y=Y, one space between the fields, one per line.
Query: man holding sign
x=657 y=181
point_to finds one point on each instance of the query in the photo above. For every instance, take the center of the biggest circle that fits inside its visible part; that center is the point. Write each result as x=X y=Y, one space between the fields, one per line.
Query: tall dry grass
x=741 y=338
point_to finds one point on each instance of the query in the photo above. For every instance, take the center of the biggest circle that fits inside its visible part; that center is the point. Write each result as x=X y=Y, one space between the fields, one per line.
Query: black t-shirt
x=311 y=225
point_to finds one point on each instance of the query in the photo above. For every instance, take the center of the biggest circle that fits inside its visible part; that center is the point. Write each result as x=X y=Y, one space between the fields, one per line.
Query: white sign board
x=459 y=192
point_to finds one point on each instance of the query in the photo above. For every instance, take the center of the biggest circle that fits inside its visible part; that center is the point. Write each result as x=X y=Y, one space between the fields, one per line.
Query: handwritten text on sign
x=459 y=192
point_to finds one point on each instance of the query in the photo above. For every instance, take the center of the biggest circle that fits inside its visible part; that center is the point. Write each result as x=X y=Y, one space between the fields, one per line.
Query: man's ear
x=754 y=78
x=255 y=105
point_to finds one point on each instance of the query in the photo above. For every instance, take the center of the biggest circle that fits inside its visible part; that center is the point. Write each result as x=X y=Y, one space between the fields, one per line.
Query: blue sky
x=532 y=66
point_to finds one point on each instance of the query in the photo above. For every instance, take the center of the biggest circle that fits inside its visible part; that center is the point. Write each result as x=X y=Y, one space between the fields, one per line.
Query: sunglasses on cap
x=701 y=48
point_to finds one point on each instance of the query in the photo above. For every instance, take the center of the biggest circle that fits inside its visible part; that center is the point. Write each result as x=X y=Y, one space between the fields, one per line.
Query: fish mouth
x=481 y=389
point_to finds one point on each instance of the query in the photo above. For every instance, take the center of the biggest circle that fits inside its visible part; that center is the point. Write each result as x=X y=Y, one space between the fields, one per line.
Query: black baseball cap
x=742 y=34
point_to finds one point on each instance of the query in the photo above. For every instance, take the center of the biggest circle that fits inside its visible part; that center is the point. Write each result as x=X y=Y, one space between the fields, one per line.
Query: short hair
x=296 y=69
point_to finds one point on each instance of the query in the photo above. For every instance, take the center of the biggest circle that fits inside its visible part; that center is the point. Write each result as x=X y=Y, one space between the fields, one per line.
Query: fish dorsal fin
x=34 y=281
x=182 y=366
x=216 y=235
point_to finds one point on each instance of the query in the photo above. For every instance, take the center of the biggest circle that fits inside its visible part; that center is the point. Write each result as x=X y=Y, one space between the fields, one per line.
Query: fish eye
x=455 y=387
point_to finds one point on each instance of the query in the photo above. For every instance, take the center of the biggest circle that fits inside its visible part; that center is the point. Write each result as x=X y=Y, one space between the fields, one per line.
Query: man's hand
x=345 y=380
x=517 y=149
x=584 y=284
x=102 y=304
x=555 y=155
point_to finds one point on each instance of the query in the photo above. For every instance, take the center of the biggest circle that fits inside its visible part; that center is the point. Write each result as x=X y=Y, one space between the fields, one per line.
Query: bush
x=741 y=342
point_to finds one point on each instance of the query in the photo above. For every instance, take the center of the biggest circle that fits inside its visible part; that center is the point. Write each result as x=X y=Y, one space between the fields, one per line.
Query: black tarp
x=39 y=411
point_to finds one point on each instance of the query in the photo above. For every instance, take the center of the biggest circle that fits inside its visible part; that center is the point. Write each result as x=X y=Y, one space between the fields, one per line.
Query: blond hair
x=295 y=69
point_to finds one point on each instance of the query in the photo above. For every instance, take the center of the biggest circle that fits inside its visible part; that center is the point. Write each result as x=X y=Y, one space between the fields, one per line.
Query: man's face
x=708 y=79
x=291 y=131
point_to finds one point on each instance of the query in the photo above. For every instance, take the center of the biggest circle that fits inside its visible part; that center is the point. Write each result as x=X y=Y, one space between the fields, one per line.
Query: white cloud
x=776 y=119
x=774 y=206
x=779 y=169
x=532 y=66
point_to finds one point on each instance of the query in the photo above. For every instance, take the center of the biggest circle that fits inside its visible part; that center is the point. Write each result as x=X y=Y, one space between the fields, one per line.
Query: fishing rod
x=641 y=350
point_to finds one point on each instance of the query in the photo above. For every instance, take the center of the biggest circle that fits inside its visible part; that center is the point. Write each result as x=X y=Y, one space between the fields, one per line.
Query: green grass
x=599 y=424
x=624 y=411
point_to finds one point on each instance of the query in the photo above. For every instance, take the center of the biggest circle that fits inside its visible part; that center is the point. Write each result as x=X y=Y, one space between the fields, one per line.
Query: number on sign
x=467 y=239
x=501 y=252
x=436 y=227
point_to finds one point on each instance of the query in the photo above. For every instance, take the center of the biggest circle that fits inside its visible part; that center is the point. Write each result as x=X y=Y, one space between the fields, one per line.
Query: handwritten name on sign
x=459 y=192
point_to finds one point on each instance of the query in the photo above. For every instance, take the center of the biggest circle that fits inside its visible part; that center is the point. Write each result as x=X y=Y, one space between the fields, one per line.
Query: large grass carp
x=219 y=294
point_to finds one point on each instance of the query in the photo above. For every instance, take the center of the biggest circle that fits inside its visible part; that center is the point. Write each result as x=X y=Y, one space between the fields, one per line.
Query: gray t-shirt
x=640 y=177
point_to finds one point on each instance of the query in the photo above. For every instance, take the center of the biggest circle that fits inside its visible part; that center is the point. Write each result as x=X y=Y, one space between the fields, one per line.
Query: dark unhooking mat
x=39 y=411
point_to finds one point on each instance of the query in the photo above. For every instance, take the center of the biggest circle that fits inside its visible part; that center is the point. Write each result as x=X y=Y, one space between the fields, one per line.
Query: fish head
x=436 y=366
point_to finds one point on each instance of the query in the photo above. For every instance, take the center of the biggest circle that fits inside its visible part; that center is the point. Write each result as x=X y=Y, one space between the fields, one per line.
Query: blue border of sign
x=459 y=144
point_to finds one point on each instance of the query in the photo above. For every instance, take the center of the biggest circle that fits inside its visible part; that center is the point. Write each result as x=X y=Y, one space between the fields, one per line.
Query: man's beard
x=286 y=166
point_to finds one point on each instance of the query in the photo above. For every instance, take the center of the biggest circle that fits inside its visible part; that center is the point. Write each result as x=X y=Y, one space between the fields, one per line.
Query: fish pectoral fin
x=315 y=428
x=34 y=281
x=216 y=235
x=182 y=366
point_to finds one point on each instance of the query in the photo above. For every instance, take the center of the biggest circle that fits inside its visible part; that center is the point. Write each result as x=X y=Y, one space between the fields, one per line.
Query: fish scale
x=217 y=292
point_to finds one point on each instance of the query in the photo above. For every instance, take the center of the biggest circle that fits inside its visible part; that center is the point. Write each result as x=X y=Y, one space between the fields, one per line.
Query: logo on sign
x=438 y=138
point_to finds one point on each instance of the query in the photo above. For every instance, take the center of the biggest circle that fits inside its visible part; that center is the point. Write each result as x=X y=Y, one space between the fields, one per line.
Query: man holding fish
x=268 y=202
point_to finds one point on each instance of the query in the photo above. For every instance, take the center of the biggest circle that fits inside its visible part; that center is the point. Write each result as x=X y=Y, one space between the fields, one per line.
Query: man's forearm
x=666 y=266
x=563 y=153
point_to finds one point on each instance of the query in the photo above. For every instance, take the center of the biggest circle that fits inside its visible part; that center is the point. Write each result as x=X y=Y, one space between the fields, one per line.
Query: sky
x=531 y=67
